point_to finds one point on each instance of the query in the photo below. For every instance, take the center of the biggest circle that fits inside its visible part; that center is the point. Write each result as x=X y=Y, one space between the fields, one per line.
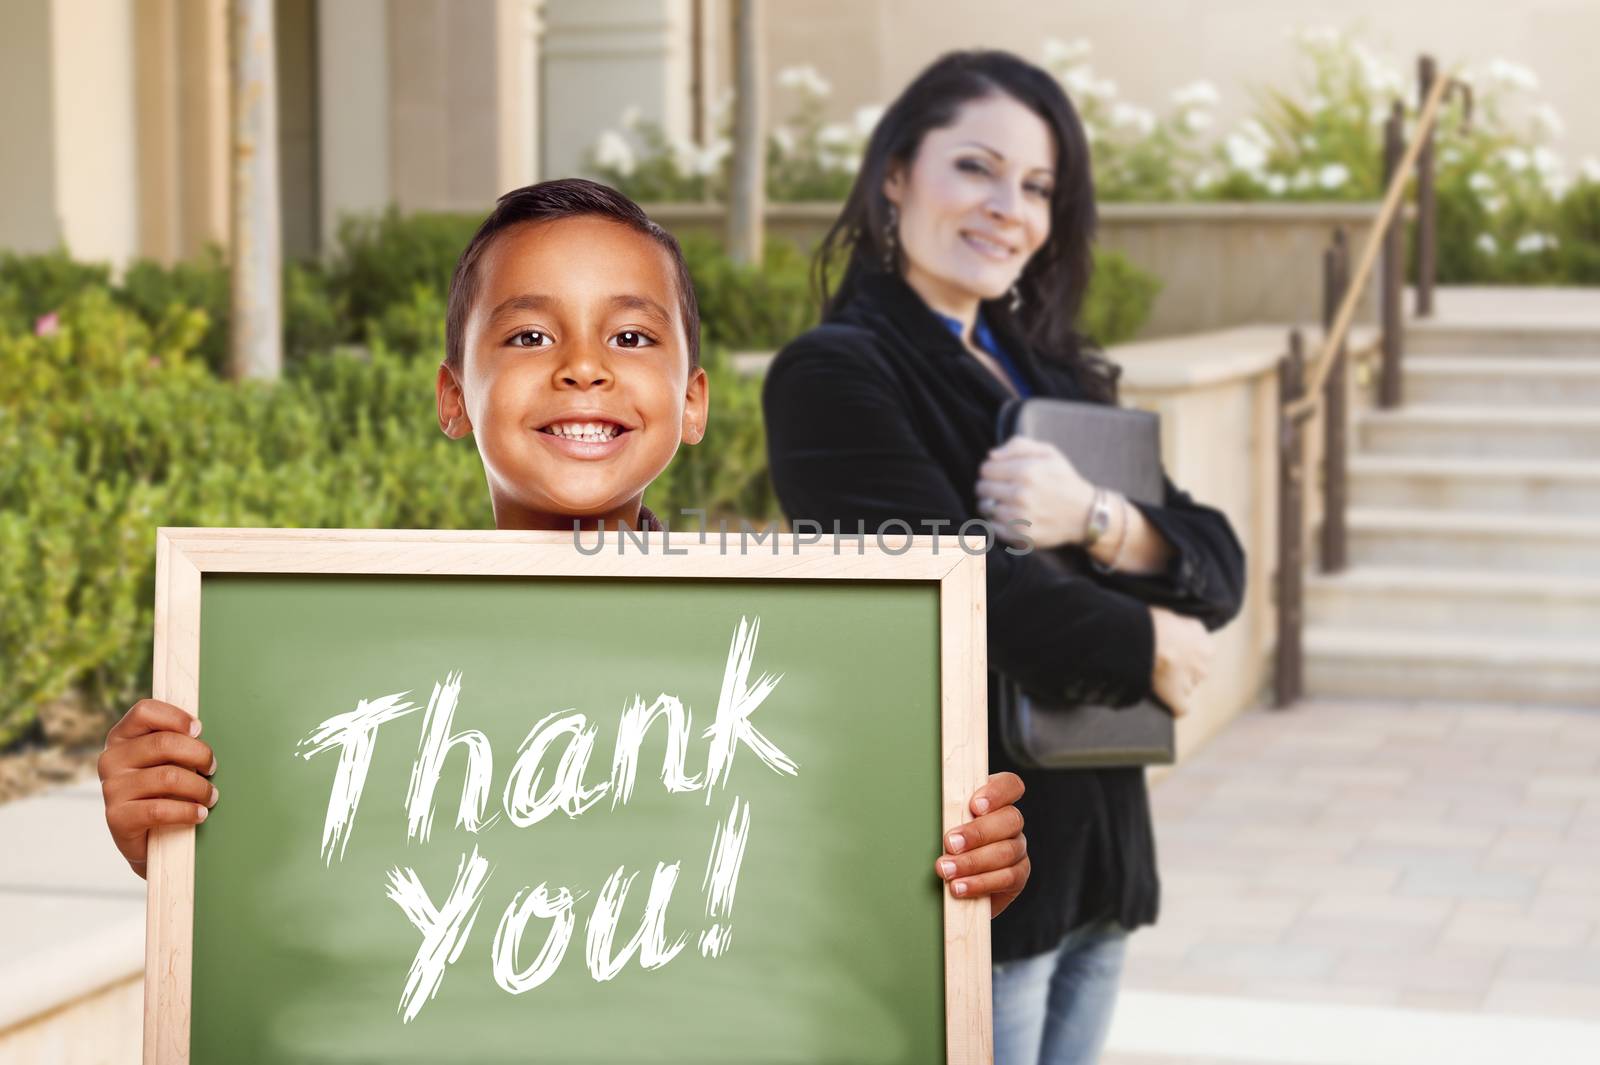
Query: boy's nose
x=583 y=368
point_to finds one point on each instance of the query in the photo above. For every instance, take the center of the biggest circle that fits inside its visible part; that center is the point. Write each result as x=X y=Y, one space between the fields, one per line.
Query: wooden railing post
x=1392 y=279
x=1287 y=680
x=1427 y=205
x=1335 y=491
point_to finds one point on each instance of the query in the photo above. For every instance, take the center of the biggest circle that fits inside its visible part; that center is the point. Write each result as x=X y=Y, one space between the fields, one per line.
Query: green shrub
x=1118 y=301
x=381 y=259
x=1578 y=230
x=32 y=286
x=746 y=308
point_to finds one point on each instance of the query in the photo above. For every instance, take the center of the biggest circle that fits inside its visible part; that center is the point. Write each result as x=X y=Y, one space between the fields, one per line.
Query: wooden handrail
x=1322 y=365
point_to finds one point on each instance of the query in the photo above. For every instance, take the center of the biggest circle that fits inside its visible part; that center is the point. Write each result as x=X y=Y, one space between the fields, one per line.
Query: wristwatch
x=1099 y=519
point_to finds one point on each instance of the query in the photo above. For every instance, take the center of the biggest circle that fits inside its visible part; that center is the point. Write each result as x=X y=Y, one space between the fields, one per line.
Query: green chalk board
x=829 y=947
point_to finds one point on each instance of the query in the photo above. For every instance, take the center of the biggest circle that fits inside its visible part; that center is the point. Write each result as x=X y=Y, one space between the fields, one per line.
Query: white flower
x=1204 y=179
x=1450 y=156
x=1493 y=204
x=1253 y=129
x=1378 y=114
x=611 y=152
x=1317 y=103
x=1533 y=243
x=1308 y=142
x=805 y=80
x=685 y=156
x=1126 y=115
x=1480 y=182
x=1302 y=179
x=836 y=135
x=1487 y=244
x=1333 y=175
x=1378 y=76
x=1196 y=121
x=709 y=159
x=1197 y=94
x=1546 y=161
x=1079 y=79
x=1104 y=88
x=1549 y=119
x=1516 y=159
x=1060 y=53
x=1511 y=74
x=866 y=120
x=1590 y=169
x=1244 y=153
x=785 y=138
x=1556 y=184
x=1276 y=184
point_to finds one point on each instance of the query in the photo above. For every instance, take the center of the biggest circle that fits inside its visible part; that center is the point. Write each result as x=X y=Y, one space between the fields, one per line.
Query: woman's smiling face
x=974 y=205
x=575 y=375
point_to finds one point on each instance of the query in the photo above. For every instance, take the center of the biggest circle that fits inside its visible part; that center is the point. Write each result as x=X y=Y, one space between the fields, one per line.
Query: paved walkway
x=1348 y=883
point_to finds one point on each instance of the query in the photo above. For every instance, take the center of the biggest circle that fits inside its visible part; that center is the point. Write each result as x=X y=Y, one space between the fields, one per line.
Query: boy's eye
x=633 y=338
x=529 y=338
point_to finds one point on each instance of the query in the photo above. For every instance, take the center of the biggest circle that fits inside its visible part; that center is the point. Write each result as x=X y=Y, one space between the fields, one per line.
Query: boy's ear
x=697 y=405
x=453 y=418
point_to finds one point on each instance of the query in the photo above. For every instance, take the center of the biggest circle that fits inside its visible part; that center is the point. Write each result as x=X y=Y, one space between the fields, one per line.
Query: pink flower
x=47 y=325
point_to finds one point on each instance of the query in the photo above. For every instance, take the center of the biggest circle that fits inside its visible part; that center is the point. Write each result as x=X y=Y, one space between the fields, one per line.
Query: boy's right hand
x=153 y=773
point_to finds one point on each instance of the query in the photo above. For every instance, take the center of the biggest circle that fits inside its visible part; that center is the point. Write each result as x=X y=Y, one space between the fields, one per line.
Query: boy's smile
x=575 y=376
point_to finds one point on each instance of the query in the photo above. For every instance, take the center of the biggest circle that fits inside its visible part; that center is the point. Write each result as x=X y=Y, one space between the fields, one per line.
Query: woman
x=965 y=247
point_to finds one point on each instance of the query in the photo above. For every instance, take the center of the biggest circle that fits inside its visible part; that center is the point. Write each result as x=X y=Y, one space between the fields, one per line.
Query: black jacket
x=881 y=413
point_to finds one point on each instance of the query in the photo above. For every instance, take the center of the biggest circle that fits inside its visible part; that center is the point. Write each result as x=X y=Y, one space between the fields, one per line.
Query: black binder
x=1118 y=449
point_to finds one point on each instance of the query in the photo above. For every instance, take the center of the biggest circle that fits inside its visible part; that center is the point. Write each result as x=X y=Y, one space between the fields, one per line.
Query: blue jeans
x=1055 y=1008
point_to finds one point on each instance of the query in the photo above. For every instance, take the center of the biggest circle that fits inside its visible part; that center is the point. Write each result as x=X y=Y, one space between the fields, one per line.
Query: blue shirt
x=988 y=343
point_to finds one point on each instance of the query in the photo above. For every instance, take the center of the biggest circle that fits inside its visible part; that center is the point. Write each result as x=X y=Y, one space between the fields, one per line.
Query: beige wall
x=68 y=64
x=869 y=49
x=29 y=220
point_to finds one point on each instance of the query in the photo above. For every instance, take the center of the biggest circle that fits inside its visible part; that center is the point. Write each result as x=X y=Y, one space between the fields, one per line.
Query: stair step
x=1399 y=663
x=1491 y=338
x=1499 y=543
x=1546 y=486
x=1499 y=431
x=1484 y=379
x=1563 y=609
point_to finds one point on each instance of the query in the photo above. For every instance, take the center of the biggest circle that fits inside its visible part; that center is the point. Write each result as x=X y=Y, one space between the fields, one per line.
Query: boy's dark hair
x=544 y=202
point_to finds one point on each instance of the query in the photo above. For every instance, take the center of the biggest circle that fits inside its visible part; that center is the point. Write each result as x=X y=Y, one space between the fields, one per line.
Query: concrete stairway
x=1474 y=514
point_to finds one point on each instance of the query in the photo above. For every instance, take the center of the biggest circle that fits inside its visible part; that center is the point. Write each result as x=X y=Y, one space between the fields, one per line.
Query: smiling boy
x=572 y=355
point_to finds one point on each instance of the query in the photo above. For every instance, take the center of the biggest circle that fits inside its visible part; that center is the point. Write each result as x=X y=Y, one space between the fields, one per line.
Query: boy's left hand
x=989 y=854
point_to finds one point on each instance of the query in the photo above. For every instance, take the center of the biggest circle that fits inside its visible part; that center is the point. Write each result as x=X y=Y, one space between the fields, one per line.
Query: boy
x=573 y=358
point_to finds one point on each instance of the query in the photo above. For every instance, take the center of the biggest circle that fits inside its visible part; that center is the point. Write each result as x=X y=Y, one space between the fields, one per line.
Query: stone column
x=602 y=57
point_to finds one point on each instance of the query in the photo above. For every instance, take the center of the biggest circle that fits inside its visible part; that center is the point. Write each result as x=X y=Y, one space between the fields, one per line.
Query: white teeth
x=593 y=432
x=988 y=247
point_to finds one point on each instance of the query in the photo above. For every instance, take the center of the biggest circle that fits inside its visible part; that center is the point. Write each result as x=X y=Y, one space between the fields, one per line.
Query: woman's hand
x=1183 y=658
x=1030 y=480
x=988 y=855
x=153 y=773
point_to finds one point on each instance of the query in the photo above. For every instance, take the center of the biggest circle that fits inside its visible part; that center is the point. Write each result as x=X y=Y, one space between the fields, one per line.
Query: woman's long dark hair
x=1054 y=280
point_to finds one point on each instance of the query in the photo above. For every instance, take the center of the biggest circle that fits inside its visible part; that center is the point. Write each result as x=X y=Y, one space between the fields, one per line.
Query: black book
x=1118 y=449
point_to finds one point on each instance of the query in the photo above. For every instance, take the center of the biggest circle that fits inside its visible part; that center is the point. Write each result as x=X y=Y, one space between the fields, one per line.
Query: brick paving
x=1406 y=856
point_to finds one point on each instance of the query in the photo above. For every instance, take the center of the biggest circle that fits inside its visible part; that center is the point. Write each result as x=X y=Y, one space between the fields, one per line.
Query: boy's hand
x=988 y=855
x=151 y=775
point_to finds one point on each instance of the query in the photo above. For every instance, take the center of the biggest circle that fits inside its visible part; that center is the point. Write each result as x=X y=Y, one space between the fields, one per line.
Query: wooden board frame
x=183 y=555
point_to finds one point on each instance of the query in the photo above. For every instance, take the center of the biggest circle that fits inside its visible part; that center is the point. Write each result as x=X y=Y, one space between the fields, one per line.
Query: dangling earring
x=889 y=224
x=1016 y=298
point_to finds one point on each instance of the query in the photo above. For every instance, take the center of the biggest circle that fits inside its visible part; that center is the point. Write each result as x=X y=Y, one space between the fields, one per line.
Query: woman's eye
x=972 y=166
x=632 y=338
x=1039 y=190
x=529 y=338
